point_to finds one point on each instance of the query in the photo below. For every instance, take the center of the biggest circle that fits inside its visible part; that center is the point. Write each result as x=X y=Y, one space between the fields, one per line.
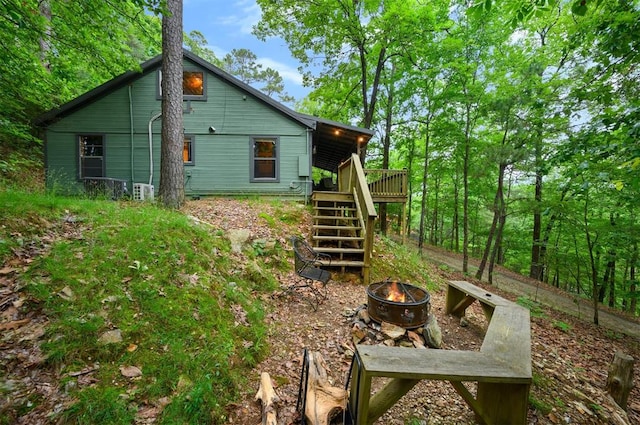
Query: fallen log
x=267 y=395
x=323 y=401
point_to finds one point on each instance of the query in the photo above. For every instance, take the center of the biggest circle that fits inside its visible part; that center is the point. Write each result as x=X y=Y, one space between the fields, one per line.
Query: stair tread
x=338 y=238
x=335 y=217
x=335 y=208
x=339 y=250
x=328 y=227
x=339 y=263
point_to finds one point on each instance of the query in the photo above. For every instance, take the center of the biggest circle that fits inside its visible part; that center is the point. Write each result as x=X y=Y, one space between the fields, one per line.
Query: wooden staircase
x=338 y=230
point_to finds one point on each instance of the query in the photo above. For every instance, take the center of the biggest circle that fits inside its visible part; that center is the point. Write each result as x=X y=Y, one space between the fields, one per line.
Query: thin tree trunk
x=435 y=239
x=537 y=268
x=465 y=191
x=423 y=206
x=171 y=164
x=45 y=42
x=632 y=278
x=497 y=247
x=385 y=151
x=592 y=260
x=498 y=203
x=455 y=234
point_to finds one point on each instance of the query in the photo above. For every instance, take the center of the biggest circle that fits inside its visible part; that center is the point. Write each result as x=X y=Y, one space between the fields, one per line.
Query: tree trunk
x=620 y=379
x=45 y=40
x=632 y=278
x=171 y=163
x=537 y=268
x=497 y=247
x=592 y=260
x=425 y=173
x=455 y=241
x=465 y=191
x=385 y=152
x=498 y=207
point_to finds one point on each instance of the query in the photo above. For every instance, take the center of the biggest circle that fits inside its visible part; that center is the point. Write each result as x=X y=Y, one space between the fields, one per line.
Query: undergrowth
x=189 y=318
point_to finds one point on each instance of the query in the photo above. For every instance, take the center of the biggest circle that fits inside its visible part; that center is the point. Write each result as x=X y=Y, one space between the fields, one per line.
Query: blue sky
x=227 y=25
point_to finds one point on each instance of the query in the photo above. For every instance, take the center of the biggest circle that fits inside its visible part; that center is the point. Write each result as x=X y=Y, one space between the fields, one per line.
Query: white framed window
x=265 y=159
x=90 y=155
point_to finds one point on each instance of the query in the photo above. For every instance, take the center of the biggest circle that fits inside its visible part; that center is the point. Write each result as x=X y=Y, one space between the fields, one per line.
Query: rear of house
x=236 y=139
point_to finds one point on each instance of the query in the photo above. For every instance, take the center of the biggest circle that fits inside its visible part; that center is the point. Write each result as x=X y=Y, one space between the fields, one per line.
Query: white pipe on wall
x=153 y=118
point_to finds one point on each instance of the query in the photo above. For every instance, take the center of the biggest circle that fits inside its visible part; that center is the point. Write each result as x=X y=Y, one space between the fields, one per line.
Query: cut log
x=323 y=401
x=267 y=395
x=620 y=379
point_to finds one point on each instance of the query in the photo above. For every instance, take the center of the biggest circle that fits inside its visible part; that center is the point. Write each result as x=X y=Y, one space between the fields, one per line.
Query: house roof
x=333 y=141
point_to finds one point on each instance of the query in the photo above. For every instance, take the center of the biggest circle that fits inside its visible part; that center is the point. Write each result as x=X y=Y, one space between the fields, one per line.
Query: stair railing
x=351 y=178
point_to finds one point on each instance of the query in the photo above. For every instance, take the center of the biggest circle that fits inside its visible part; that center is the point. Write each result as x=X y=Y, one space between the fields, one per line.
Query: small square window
x=194 y=85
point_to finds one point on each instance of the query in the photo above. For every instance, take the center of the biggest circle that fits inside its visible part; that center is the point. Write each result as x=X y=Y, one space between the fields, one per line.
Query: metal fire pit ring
x=410 y=314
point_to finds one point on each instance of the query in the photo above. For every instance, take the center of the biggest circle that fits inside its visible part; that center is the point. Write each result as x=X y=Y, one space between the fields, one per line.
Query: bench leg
x=457 y=302
x=504 y=403
x=359 y=394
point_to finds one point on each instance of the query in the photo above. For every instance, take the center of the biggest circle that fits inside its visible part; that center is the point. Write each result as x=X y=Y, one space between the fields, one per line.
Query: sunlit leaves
x=53 y=51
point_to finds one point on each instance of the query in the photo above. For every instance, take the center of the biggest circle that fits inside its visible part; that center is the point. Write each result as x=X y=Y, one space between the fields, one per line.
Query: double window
x=265 y=159
x=90 y=155
x=194 y=85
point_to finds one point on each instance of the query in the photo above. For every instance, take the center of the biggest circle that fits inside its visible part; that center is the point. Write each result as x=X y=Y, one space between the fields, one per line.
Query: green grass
x=165 y=282
x=403 y=263
x=535 y=308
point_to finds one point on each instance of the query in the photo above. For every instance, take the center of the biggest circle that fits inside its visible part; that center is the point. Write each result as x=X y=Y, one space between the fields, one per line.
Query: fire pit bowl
x=398 y=303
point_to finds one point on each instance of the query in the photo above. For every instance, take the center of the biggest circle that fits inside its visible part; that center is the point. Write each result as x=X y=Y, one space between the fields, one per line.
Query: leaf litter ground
x=570 y=357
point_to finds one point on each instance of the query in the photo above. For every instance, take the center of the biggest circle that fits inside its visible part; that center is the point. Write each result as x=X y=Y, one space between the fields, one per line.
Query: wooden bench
x=307 y=264
x=502 y=367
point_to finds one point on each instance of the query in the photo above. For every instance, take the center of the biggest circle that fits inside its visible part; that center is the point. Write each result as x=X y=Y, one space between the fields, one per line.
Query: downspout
x=133 y=178
x=310 y=153
x=153 y=118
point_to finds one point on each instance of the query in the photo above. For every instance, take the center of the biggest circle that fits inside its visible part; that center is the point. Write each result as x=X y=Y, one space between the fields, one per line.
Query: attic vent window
x=194 y=85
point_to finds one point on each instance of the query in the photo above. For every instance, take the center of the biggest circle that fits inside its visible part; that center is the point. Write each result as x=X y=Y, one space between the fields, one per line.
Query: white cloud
x=251 y=14
x=287 y=72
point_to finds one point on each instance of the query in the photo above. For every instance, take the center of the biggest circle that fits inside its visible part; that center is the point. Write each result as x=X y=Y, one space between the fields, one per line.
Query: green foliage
x=534 y=307
x=563 y=326
x=164 y=282
x=540 y=405
x=403 y=263
x=55 y=51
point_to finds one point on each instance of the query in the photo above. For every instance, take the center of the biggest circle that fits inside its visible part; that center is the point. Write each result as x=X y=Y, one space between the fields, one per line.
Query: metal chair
x=307 y=266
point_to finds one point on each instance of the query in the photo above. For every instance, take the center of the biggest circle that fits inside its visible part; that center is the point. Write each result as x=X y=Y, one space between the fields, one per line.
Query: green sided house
x=236 y=139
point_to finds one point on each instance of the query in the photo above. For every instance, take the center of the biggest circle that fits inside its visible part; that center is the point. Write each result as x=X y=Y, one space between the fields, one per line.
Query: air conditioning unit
x=142 y=192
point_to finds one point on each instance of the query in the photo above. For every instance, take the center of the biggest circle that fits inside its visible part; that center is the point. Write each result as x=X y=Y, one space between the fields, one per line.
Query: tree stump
x=620 y=379
x=323 y=401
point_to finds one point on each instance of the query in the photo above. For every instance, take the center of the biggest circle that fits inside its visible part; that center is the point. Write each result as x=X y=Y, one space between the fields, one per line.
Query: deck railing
x=351 y=178
x=387 y=183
